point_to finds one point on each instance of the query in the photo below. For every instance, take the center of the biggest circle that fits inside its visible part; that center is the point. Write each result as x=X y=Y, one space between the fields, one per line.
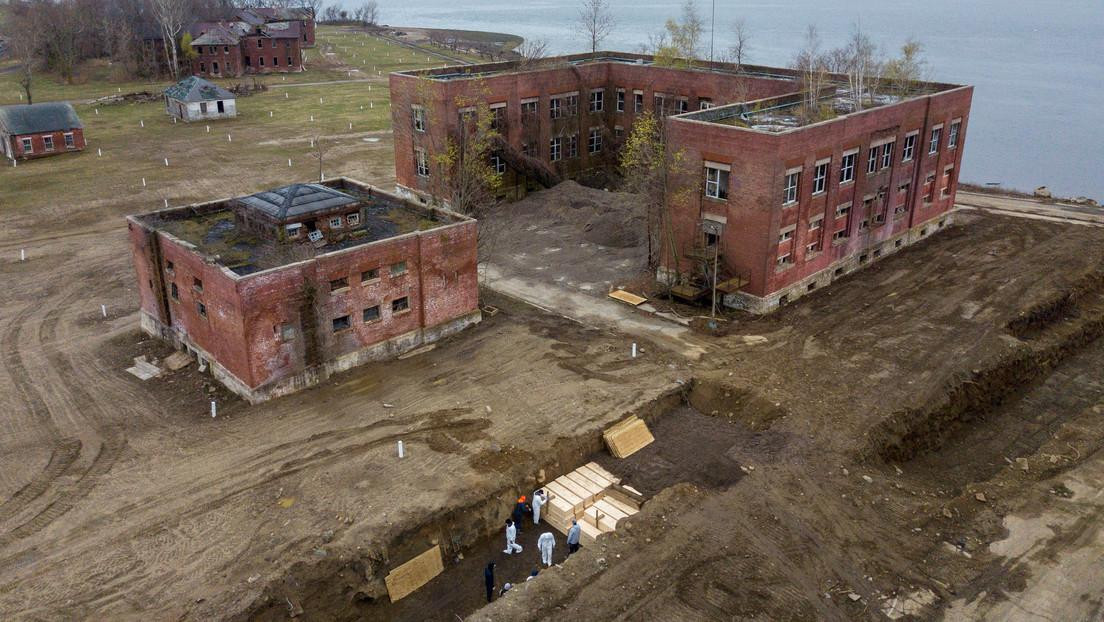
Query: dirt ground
x=919 y=439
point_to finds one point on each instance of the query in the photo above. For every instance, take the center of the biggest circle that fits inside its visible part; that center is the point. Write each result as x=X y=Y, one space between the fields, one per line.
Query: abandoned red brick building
x=39 y=130
x=278 y=290
x=783 y=205
x=231 y=49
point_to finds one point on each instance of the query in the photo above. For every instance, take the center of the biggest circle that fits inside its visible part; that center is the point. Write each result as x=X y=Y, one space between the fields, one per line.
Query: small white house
x=196 y=99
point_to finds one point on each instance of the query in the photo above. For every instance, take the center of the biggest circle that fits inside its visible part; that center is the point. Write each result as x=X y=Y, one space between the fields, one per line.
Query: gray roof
x=196 y=89
x=297 y=200
x=32 y=118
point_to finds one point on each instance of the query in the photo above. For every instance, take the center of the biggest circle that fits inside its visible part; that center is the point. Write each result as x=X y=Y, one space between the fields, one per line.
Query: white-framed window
x=421 y=163
x=952 y=135
x=555 y=108
x=571 y=105
x=529 y=108
x=785 y=260
x=28 y=145
x=594 y=140
x=786 y=234
x=683 y=105
x=293 y=230
x=70 y=142
x=910 y=147
x=597 y=100
x=620 y=100
x=840 y=234
x=789 y=190
x=638 y=101
x=573 y=146
x=704 y=103
x=555 y=148
x=820 y=177
x=716 y=180
x=843 y=210
x=847 y=167
x=813 y=247
x=48 y=141
x=815 y=223
x=659 y=101
x=353 y=219
x=336 y=222
x=872 y=160
x=887 y=154
x=618 y=132
x=419 y=115
x=933 y=143
x=498 y=164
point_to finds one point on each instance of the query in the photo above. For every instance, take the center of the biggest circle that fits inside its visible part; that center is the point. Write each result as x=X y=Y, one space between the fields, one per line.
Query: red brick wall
x=284 y=48
x=441 y=97
x=759 y=162
x=38 y=143
x=228 y=57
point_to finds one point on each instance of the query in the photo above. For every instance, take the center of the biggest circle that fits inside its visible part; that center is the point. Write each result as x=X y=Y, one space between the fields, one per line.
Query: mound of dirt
x=613 y=219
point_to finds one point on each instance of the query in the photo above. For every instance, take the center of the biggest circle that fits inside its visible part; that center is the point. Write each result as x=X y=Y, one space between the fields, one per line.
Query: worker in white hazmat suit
x=546 y=543
x=511 y=538
x=539 y=499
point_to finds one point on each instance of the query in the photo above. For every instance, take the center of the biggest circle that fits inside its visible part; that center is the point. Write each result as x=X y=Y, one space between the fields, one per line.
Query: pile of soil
x=613 y=219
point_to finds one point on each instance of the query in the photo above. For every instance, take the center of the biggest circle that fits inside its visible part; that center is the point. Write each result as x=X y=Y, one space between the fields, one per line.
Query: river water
x=1037 y=66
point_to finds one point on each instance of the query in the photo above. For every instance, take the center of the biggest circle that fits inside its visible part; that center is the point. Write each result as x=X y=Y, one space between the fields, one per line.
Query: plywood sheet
x=626 y=438
x=624 y=296
x=415 y=573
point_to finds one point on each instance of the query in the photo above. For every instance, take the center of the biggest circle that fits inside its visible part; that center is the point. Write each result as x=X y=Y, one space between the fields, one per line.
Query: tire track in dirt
x=62 y=456
x=21 y=378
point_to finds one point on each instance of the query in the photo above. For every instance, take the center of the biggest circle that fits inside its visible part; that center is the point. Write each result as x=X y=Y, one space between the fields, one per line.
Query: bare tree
x=859 y=59
x=367 y=13
x=680 y=41
x=331 y=13
x=812 y=63
x=903 y=75
x=170 y=16
x=596 y=22
x=24 y=31
x=532 y=51
x=318 y=152
x=739 y=48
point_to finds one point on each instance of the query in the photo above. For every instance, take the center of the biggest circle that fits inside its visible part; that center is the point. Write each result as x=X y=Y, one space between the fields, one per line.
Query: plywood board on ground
x=628 y=437
x=415 y=573
x=625 y=296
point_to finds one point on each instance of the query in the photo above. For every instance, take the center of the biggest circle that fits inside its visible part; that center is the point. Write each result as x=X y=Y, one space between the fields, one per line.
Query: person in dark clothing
x=520 y=510
x=488 y=579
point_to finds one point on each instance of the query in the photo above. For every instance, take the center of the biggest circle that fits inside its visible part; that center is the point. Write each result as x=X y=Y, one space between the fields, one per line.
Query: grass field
x=351 y=119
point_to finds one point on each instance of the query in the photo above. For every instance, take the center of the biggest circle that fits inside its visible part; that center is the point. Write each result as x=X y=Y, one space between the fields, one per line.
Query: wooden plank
x=579 y=491
x=558 y=491
x=597 y=468
x=408 y=577
x=624 y=296
x=629 y=439
x=605 y=506
x=618 y=503
x=586 y=484
x=598 y=480
x=587 y=532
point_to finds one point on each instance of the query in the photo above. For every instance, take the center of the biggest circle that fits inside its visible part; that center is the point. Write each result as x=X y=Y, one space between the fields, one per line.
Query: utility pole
x=712 y=30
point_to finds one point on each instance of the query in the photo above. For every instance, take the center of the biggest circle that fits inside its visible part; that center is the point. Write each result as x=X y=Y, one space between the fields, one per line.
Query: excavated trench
x=993 y=415
x=705 y=449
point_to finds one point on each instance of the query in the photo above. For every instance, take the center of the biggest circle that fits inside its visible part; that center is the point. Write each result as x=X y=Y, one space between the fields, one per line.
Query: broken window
x=716 y=181
x=872 y=160
x=789 y=191
x=638 y=101
x=293 y=230
x=286 y=332
x=353 y=219
x=260 y=60
x=174 y=292
x=820 y=177
x=571 y=105
x=659 y=101
x=275 y=61
x=371 y=314
x=847 y=168
x=910 y=147
x=498 y=117
x=952 y=136
x=421 y=163
x=203 y=107
x=369 y=275
x=529 y=110
x=341 y=323
x=554 y=108
x=398 y=268
x=336 y=222
x=529 y=149
x=69 y=142
x=498 y=164
x=843 y=210
x=201 y=309
x=197 y=284
x=597 y=100
x=683 y=105
x=339 y=284
x=48 y=141
x=813 y=247
x=620 y=100
x=704 y=103
x=399 y=305
x=815 y=223
x=887 y=154
x=594 y=140
x=785 y=260
x=169 y=266
x=840 y=234
x=786 y=234
x=419 y=115
x=573 y=146
x=933 y=145
x=554 y=147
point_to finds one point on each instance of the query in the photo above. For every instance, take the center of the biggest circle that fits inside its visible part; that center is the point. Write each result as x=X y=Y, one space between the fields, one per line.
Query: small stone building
x=196 y=99
x=39 y=130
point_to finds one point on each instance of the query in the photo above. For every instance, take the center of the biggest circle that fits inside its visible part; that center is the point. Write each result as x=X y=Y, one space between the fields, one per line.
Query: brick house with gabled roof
x=232 y=49
x=39 y=130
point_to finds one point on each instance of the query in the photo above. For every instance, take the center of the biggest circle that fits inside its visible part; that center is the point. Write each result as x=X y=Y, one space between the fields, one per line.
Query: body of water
x=1037 y=66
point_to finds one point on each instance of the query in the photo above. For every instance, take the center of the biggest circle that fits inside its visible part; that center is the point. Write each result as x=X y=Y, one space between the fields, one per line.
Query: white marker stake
x=141 y=123
x=312 y=118
x=166 y=202
x=634 y=351
x=350 y=126
x=213 y=409
x=371 y=104
x=99 y=152
x=166 y=161
x=22 y=254
x=97 y=111
x=269 y=114
x=208 y=129
x=289 y=162
x=401 y=453
x=103 y=310
x=286 y=95
x=320 y=100
x=143 y=182
x=229 y=138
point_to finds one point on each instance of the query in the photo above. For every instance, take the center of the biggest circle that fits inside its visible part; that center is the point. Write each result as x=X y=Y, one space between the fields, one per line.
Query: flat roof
x=212 y=227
